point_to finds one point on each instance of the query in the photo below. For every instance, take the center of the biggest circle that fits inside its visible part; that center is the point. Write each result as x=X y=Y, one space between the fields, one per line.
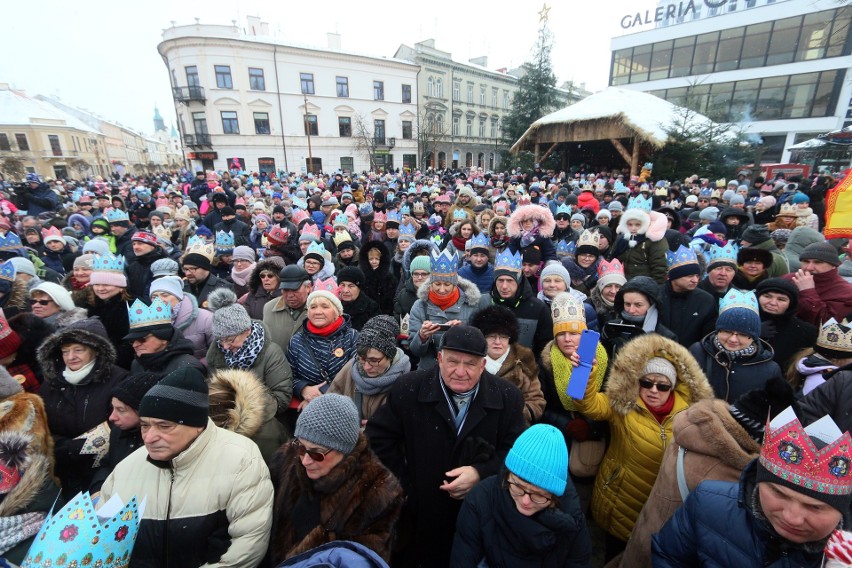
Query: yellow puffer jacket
x=631 y=463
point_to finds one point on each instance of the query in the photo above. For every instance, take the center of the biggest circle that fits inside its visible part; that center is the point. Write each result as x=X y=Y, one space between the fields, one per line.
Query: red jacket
x=588 y=199
x=831 y=297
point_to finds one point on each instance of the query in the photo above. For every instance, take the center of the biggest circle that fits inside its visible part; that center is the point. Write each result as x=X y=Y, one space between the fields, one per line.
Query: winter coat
x=482 y=278
x=203 y=291
x=716 y=448
x=534 y=319
x=415 y=437
x=831 y=297
x=337 y=554
x=241 y=403
x=587 y=199
x=614 y=338
x=730 y=379
x=75 y=409
x=490 y=530
x=648 y=255
x=779 y=262
x=830 y=398
x=717 y=527
x=379 y=284
x=358 y=500
x=211 y=505
x=368 y=404
x=786 y=334
x=124 y=244
x=360 y=310
x=270 y=367
x=638 y=441
x=282 y=322
x=405 y=298
x=239 y=229
x=316 y=360
x=122 y=443
x=545 y=231
x=178 y=353
x=800 y=237
x=40 y=200
x=520 y=369
x=689 y=315
x=139 y=275
x=470 y=301
x=195 y=324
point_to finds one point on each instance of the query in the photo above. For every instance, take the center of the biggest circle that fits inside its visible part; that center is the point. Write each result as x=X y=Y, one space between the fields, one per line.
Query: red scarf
x=663 y=411
x=459 y=243
x=327 y=330
x=77 y=285
x=444 y=302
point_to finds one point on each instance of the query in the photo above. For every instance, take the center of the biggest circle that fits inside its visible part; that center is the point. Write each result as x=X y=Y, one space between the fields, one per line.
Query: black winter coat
x=380 y=285
x=178 y=353
x=139 y=275
x=415 y=437
x=833 y=397
x=360 y=311
x=201 y=293
x=690 y=315
x=534 y=320
x=240 y=230
x=731 y=379
x=490 y=528
x=113 y=315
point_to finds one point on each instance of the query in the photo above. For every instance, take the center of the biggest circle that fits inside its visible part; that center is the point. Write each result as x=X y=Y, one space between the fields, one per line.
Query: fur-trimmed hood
x=416 y=247
x=708 y=428
x=470 y=294
x=384 y=261
x=254 y=279
x=505 y=221
x=64 y=319
x=239 y=402
x=654 y=224
x=50 y=353
x=535 y=212
x=623 y=383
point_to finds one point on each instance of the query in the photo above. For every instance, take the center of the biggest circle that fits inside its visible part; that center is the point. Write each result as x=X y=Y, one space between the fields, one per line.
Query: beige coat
x=520 y=369
x=282 y=322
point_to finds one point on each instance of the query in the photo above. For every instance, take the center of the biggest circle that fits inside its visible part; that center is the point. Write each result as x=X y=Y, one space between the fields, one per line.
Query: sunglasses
x=40 y=302
x=266 y=275
x=646 y=384
x=315 y=455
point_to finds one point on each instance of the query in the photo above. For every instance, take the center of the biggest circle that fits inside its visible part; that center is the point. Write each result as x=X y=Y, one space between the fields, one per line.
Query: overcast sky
x=102 y=55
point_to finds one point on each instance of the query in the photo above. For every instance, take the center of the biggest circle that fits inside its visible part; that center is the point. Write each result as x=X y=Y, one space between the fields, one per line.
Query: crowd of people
x=429 y=369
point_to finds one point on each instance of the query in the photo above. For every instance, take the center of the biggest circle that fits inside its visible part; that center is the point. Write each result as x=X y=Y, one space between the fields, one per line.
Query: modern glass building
x=777 y=68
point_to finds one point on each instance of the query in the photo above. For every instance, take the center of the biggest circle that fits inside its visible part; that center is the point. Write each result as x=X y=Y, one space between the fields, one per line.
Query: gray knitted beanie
x=330 y=421
x=379 y=333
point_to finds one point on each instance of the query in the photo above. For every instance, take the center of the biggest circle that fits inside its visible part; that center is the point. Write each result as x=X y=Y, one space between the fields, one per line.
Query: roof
x=647 y=115
x=17 y=109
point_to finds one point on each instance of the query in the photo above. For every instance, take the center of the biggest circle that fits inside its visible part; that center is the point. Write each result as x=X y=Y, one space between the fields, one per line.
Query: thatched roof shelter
x=621 y=116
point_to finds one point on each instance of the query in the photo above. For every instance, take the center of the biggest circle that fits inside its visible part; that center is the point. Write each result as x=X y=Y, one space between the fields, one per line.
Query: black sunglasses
x=315 y=455
x=40 y=302
x=646 y=384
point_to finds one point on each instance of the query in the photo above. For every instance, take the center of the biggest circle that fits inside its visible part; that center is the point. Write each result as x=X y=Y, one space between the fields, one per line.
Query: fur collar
x=623 y=383
x=50 y=353
x=239 y=402
x=545 y=358
x=707 y=427
x=537 y=212
x=470 y=294
x=520 y=358
x=416 y=247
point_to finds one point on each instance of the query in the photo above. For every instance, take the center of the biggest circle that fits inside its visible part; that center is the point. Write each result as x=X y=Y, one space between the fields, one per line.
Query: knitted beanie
x=230 y=320
x=97 y=245
x=741 y=320
x=737 y=200
x=330 y=421
x=380 y=333
x=181 y=397
x=767 y=201
x=351 y=274
x=82 y=261
x=820 y=251
x=660 y=366
x=164 y=267
x=197 y=260
x=709 y=214
x=420 y=263
x=755 y=234
x=131 y=390
x=615 y=206
x=717 y=227
x=539 y=456
x=335 y=301
x=556 y=269
x=109 y=277
x=243 y=252
x=23 y=265
x=169 y=284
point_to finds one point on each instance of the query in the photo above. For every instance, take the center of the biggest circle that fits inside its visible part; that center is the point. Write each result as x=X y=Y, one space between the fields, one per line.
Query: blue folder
x=580 y=375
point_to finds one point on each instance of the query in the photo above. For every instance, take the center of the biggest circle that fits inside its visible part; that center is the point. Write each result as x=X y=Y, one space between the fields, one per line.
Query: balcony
x=197 y=140
x=384 y=142
x=187 y=94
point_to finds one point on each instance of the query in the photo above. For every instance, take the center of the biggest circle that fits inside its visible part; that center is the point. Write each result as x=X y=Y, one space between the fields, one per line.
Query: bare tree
x=364 y=139
x=430 y=134
x=81 y=166
x=13 y=168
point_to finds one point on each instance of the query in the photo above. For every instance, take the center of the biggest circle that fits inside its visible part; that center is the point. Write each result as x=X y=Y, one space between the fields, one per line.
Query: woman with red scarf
x=460 y=233
x=77 y=282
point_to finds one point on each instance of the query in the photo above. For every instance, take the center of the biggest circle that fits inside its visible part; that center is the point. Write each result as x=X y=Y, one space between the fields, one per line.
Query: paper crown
x=566 y=248
x=142 y=315
x=787 y=210
x=51 y=232
x=299 y=215
x=405 y=210
x=589 y=239
x=224 y=242
x=315 y=248
x=722 y=254
x=162 y=232
x=10 y=242
x=195 y=240
x=115 y=215
x=310 y=232
x=610 y=268
x=619 y=187
x=444 y=264
x=639 y=202
x=568 y=314
x=379 y=217
x=836 y=338
x=75 y=535
x=198 y=245
x=328 y=285
x=108 y=263
x=789 y=454
x=508 y=261
x=7 y=271
x=563 y=209
x=408 y=230
x=393 y=217
x=682 y=256
x=479 y=241
x=459 y=214
x=738 y=299
x=341 y=220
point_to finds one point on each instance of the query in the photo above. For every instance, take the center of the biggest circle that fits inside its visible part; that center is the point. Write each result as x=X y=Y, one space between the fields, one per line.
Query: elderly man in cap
x=823 y=293
x=441 y=431
x=209 y=496
x=283 y=316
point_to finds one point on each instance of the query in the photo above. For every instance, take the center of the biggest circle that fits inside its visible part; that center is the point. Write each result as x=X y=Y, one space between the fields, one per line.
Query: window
x=785 y=36
x=506 y=100
x=482 y=95
x=439 y=88
x=661 y=60
x=344 y=125
x=755 y=44
x=256 y=80
x=223 y=76
x=199 y=122
x=55 y=147
x=266 y=165
x=343 y=87
x=470 y=93
x=4 y=142
x=347 y=163
x=307 y=82
x=261 y=123
x=430 y=86
x=468 y=159
x=378 y=90
x=406 y=93
x=406 y=130
x=456 y=126
x=456 y=90
x=409 y=161
x=379 y=131
x=482 y=128
x=494 y=97
x=230 y=124
x=493 y=128
x=469 y=129
x=311 y=125
x=192 y=76
x=23 y=143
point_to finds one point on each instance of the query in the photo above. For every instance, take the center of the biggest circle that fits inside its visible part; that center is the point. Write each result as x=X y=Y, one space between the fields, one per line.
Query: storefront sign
x=668 y=11
x=202 y=155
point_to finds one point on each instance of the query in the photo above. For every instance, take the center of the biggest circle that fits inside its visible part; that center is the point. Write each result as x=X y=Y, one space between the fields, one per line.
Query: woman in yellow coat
x=651 y=380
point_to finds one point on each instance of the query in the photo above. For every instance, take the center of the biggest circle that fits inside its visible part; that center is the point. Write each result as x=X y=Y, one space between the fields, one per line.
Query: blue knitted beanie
x=540 y=457
x=741 y=320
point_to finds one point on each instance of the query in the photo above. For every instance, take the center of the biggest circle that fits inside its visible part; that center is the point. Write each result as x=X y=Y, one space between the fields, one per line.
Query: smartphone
x=444 y=327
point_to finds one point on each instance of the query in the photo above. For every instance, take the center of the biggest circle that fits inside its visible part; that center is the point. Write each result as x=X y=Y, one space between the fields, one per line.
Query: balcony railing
x=191 y=93
x=197 y=140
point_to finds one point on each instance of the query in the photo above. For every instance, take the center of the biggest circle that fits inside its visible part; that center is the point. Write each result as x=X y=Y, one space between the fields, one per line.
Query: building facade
x=775 y=68
x=243 y=97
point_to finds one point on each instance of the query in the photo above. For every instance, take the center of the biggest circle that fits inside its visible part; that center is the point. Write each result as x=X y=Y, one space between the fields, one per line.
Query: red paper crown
x=327 y=285
x=789 y=454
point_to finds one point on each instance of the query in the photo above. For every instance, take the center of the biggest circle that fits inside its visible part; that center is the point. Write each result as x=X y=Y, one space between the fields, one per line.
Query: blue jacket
x=483 y=279
x=316 y=360
x=717 y=528
x=338 y=553
x=41 y=200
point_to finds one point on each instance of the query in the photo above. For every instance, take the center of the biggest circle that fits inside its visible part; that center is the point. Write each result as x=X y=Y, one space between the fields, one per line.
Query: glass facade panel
x=728 y=52
x=621 y=66
x=744 y=100
x=705 y=53
x=682 y=56
x=839 y=38
x=785 y=36
x=755 y=45
x=661 y=60
x=800 y=95
x=826 y=93
x=813 y=38
x=641 y=63
x=770 y=101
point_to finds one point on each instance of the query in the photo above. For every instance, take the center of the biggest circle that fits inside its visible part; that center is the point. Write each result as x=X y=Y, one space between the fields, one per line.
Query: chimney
x=333 y=41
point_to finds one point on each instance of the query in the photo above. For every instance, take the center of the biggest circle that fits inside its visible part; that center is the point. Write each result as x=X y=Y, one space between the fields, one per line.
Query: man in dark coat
x=779 y=327
x=823 y=293
x=441 y=432
x=39 y=197
x=513 y=291
x=230 y=224
x=360 y=307
x=199 y=280
x=146 y=251
x=685 y=309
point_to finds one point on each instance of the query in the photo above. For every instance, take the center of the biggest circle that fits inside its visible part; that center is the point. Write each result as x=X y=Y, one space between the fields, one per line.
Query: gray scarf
x=370 y=386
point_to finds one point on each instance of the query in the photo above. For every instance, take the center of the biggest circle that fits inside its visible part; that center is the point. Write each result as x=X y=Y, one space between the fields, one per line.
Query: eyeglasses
x=266 y=275
x=419 y=274
x=228 y=341
x=661 y=387
x=315 y=454
x=728 y=333
x=497 y=337
x=372 y=361
x=40 y=302
x=516 y=490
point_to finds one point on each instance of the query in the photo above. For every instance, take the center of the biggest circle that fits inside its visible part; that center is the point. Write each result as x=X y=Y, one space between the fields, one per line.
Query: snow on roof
x=808 y=144
x=17 y=109
x=648 y=115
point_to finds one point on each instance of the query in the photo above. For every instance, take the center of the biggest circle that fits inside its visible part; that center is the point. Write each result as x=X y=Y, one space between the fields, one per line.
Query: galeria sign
x=665 y=12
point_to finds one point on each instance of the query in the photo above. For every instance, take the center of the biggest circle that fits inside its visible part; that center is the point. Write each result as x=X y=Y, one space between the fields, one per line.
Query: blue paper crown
x=459 y=214
x=738 y=299
x=407 y=229
x=315 y=248
x=7 y=271
x=74 y=536
x=115 y=215
x=224 y=242
x=393 y=217
x=10 y=242
x=639 y=202
x=724 y=253
x=142 y=315
x=195 y=240
x=566 y=209
x=405 y=210
x=108 y=263
x=444 y=264
x=479 y=241
x=619 y=187
x=506 y=260
x=566 y=248
x=683 y=255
